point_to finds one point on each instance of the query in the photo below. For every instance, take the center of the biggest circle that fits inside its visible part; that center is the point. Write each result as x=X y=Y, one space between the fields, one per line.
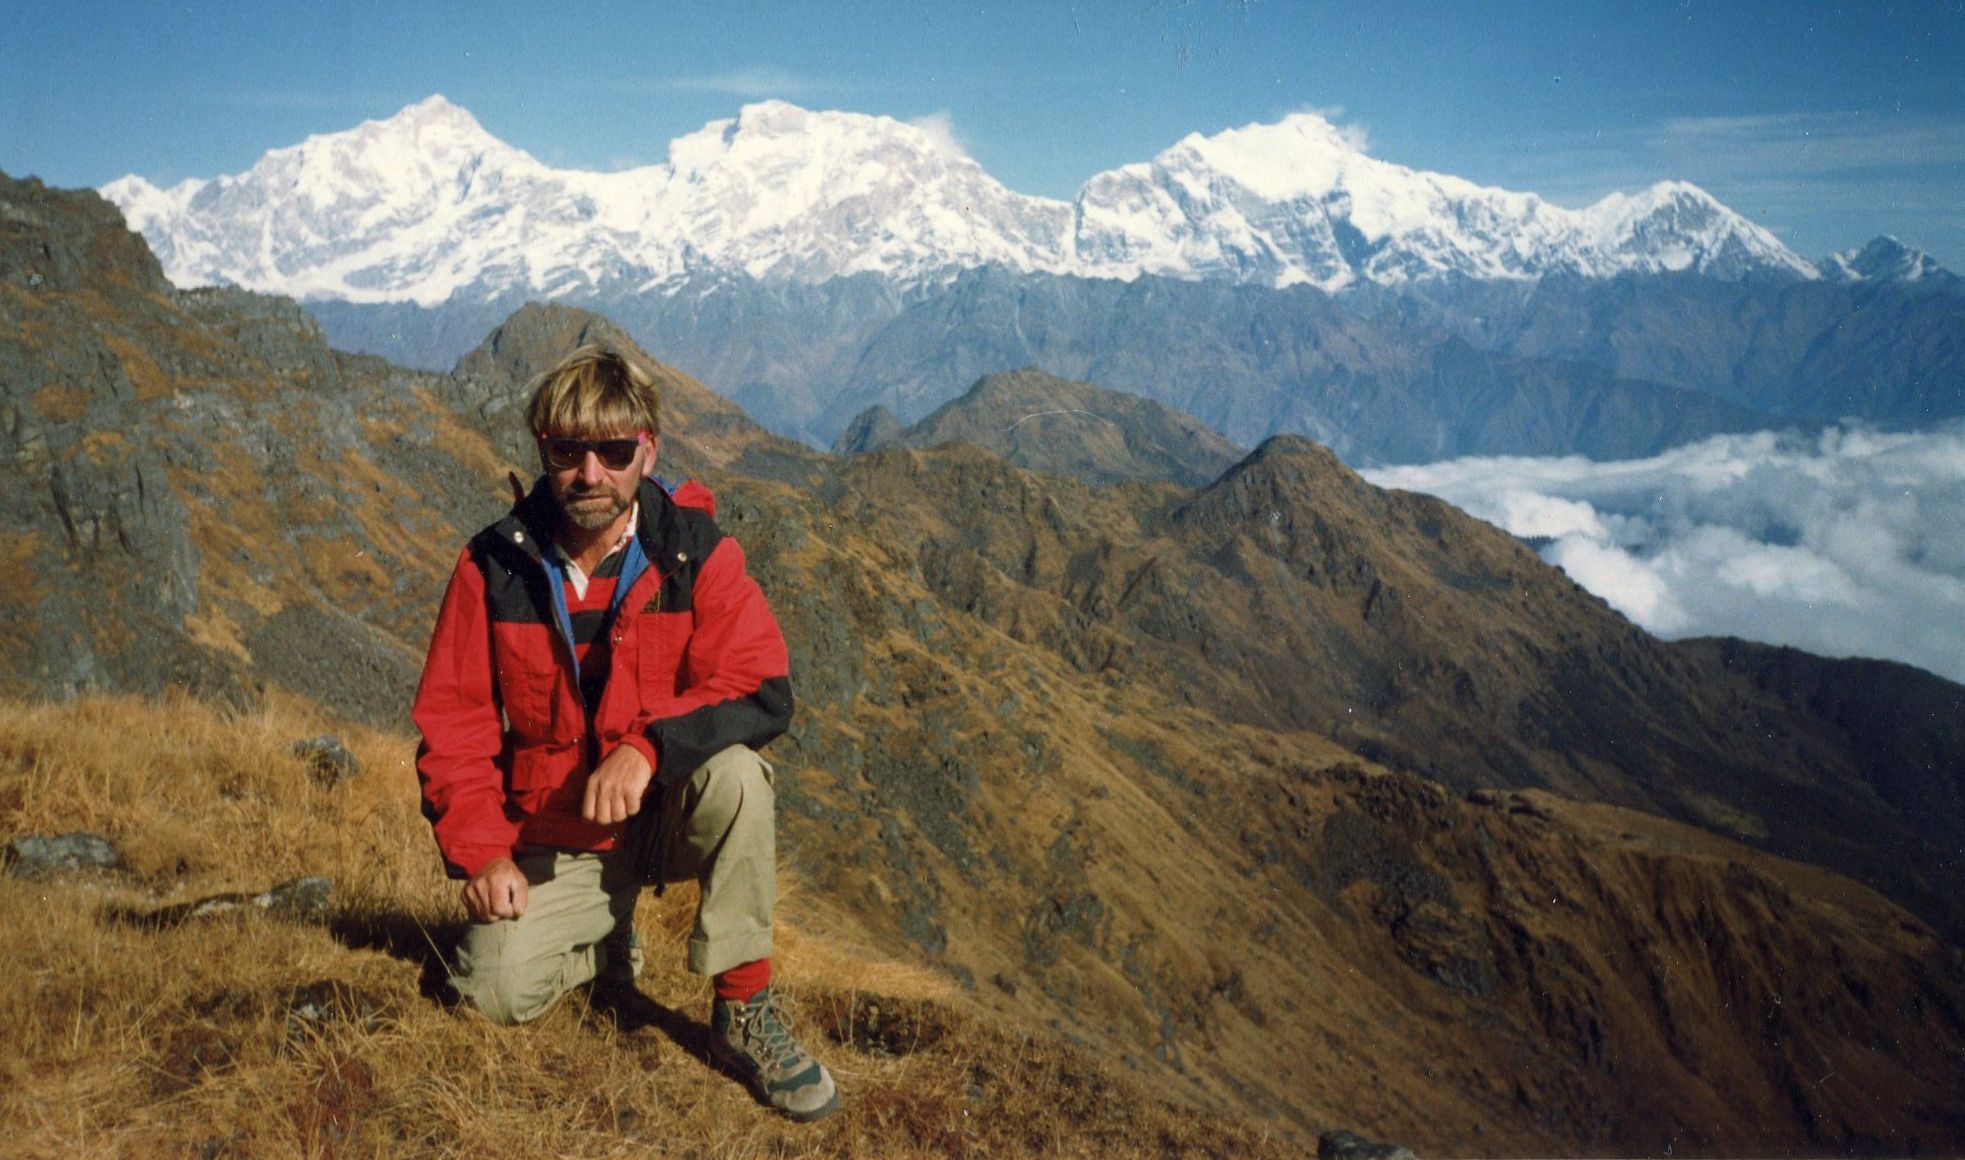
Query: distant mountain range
x=815 y=264
x=427 y=207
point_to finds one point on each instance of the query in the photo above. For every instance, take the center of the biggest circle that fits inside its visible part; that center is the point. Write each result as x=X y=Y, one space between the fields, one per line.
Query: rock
x=40 y=854
x=328 y=759
x=305 y=898
x=1344 y=1145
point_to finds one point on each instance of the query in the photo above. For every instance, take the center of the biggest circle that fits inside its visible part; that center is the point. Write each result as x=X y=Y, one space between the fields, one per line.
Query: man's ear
x=654 y=443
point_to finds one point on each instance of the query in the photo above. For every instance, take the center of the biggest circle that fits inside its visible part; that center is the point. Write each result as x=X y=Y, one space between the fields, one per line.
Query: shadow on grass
x=406 y=937
x=630 y=1010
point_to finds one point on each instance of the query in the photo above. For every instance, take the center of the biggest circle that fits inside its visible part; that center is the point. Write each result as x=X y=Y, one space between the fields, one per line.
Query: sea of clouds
x=1850 y=542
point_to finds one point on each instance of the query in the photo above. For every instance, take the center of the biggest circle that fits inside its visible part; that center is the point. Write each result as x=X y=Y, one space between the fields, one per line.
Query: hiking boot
x=753 y=1040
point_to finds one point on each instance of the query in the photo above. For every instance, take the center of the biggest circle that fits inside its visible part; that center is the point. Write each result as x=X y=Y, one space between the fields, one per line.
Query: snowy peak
x=431 y=152
x=1302 y=155
x=1300 y=201
x=1297 y=201
x=373 y=213
x=775 y=137
x=426 y=205
x=1884 y=259
x=1675 y=226
x=781 y=191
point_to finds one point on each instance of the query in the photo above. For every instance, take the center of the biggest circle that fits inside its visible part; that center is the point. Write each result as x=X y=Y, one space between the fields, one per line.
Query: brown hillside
x=1410 y=633
x=139 y=1029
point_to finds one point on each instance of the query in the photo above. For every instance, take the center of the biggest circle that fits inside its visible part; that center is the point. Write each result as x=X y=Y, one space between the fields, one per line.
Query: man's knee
x=740 y=762
x=733 y=779
x=506 y=996
x=506 y=974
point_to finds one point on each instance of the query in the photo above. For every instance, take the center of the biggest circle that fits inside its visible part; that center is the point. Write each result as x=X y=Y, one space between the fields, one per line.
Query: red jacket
x=696 y=664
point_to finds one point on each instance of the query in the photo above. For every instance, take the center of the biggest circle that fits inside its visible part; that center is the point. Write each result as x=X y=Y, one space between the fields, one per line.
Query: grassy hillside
x=1511 y=974
x=138 y=1031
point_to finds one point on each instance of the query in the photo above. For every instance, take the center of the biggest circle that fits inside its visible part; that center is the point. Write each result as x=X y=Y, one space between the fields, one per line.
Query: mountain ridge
x=785 y=193
x=1043 y=423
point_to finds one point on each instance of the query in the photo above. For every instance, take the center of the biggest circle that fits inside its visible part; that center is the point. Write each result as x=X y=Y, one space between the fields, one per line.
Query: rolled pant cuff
x=712 y=957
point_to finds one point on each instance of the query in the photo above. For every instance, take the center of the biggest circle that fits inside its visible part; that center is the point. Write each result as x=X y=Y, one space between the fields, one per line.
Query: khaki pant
x=579 y=911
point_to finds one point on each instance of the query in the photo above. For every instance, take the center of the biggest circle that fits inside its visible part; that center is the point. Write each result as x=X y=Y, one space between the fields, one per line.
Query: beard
x=592 y=510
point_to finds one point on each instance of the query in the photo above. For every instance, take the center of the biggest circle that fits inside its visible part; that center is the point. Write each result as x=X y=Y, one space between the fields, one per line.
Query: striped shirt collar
x=578 y=578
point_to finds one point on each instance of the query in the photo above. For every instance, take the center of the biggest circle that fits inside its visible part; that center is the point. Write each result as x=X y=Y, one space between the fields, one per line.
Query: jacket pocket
x=525 y=671
x=540 y=774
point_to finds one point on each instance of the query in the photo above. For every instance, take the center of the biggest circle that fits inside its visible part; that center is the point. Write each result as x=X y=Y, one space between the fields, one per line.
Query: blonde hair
x=594 y=392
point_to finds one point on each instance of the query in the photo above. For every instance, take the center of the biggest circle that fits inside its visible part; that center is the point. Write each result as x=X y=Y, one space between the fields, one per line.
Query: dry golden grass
x=248 y=1034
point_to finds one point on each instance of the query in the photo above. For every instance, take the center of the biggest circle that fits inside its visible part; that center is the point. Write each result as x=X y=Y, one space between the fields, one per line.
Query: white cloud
x=1851 y=542
x=753 y=83
x=1813 y=143
x=1529 y=513
x=1353 y=134
x=940 y=128
x=1626 y=582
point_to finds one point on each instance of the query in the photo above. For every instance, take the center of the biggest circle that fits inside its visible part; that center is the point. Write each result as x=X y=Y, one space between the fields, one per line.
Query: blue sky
x=1828 y=123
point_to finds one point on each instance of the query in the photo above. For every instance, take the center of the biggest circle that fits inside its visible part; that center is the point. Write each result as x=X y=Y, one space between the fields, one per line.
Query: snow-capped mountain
x=1299 y=202
x=1883 y=259
x=427 y=206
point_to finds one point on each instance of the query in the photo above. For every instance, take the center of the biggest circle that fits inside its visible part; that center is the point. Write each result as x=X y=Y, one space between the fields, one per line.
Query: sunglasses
x=567 y=454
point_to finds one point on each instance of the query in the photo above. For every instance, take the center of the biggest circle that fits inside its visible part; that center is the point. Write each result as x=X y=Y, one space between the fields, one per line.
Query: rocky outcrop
x=873 y=429
x=328 y=760
x=192 y=480
x=89 y=521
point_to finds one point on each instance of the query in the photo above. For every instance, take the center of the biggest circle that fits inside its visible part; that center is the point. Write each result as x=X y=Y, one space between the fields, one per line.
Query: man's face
x=588 y=487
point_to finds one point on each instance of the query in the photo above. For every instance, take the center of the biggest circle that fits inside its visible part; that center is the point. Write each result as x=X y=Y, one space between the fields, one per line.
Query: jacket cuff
x=467 y=862
x=642 y=745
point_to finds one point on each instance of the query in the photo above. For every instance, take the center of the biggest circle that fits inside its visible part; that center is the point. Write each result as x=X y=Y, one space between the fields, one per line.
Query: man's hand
x=495 y=892
x=615 y=787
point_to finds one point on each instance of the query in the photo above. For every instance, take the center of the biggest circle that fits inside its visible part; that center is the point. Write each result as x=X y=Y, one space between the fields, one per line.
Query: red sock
x=740 y=983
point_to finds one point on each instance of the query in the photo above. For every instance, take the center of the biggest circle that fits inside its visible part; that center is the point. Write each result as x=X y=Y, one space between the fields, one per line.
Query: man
x=602 y=673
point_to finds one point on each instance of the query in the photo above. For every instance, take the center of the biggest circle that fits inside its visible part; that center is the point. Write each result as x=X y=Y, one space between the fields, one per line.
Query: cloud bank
x=1846 y=543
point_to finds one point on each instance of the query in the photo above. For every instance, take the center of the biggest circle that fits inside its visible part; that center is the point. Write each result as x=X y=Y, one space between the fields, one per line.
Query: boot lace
x=768 y=1026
